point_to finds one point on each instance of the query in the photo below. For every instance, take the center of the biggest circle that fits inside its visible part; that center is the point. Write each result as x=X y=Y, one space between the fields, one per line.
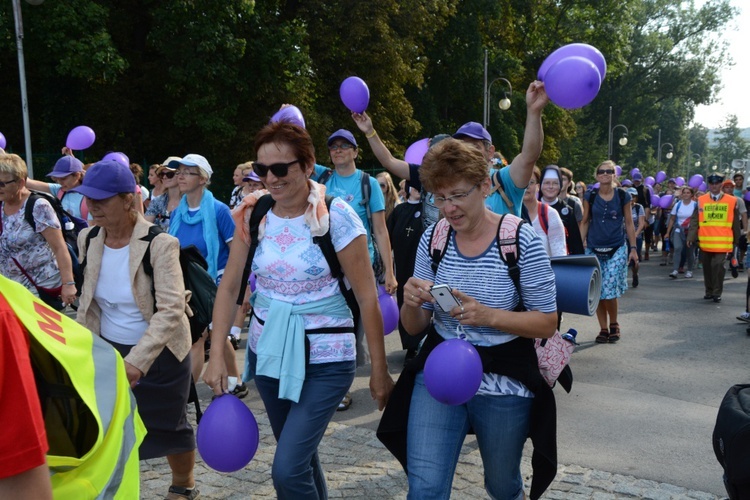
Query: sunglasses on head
x=277 y=169
x=168 y=175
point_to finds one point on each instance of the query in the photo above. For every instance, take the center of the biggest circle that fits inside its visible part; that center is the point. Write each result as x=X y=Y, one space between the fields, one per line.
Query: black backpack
x=731 y=440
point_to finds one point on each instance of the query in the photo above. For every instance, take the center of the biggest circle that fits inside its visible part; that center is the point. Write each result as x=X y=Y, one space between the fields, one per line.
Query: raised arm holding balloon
x=522 y=165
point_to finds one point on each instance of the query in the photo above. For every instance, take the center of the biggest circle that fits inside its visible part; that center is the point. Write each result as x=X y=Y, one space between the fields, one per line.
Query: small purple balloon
x=416 y=151
x=80 y=138
x=354 y=94
x=389 y=310
x=666 y=201
x=636 y=170
x=572 y=82
x=3 y=142
x=661 y=176
x=679 y=181
x=596 y=185
x=655 y=200
x=618 y=170
x=220 y=444
x=747 y=196
x=649 y=181
x=584 y=50
x=120 y=158
x=453 y=372
x=695 y=181
x=290 y=114
x=703 y=186
x=251 y=282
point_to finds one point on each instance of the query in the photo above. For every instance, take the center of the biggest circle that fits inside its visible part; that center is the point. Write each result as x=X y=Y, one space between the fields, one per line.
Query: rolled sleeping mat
x=579 y=283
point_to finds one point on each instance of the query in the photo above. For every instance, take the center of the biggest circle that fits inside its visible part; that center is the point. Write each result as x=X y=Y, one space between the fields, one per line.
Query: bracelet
x=633 y=248
x=69 y=283
x=371 y=135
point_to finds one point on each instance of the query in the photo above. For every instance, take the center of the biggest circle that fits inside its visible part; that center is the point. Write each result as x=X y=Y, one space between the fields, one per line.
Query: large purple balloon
x=636 y=170
x=572 y=82
x=661 y=176
x=655 y=200
x=453 y=372
x=389 y=310
x=695 y=181
x=354 y=94
x=666 y=201
x=81 y=137
x=228 y=434
x=120 y=158
x=584 y=50
x=679 y=181
x=649 y=181
x=290 y=114
x=416 y=151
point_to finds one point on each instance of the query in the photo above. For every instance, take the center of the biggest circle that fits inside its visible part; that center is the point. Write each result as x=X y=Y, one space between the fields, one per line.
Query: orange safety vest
x=715 y=219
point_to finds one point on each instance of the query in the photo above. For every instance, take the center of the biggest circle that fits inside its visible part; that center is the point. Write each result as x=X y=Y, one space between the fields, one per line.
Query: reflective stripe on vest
x=715 y=219
x=109 y=468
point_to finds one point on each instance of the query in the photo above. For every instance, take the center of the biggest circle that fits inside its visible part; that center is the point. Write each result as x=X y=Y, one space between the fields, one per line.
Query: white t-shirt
x=682 y=211
x=121 y=320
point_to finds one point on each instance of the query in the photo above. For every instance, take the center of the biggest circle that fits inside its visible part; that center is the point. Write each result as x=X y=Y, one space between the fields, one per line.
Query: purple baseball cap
x=65 y=166
x=252 y=176
x=106 y=178
x=473 y=130
x=343 y=134
x=637 y=176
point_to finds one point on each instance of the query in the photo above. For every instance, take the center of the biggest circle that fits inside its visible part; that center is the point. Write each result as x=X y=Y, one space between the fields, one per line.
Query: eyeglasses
x=456 y=199
x=277 y=169
x=605 y=172
x=3 y=184
x=168 y=175
x=184 y=171
x=336 y=147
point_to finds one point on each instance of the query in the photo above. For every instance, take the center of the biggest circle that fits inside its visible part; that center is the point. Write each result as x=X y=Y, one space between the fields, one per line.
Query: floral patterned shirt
x=158 y=208
x=19 y=241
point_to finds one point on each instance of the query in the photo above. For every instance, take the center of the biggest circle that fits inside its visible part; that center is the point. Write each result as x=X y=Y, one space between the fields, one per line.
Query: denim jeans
x=299 y=427
x=437 y=431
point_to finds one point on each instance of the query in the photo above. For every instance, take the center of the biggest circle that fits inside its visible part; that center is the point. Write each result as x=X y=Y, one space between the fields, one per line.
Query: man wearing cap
x=716 y=228
x=507 y=194
x=67 y=174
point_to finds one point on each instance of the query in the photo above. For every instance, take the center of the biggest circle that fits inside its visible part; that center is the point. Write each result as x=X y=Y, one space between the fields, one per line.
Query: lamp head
x=504 y=103
x=623 y=140
x=669 y=155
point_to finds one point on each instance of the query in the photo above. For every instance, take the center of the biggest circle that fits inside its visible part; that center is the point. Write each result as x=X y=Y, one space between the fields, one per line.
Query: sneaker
x=345 y=403
x=180 y=493
x=735 y=271
x=240 y=390
x=673 y=275
x=745 y=316
x=635 y=280
x=717 y=298
x=688 y=274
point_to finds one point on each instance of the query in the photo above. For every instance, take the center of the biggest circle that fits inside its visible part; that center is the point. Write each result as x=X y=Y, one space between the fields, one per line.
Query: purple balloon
x=636 y=170
x=120 y=158
x=703 y=186
x=354 y=94
x=747 y=196
x=572 y=82
x=251 y=282
x=221 y=445
x=81 y=137
x=596 y=185
x=416 y=151
x=666 y=201
x=627 y=182
x=290 y=114
x=695 y=181
x=3 y=142
x=584 y=50
x=679 y=181
x=389 y=310
x=618 y=170
x=453 y=372
x=649 y=181
x=655 y=200
x=661 y=176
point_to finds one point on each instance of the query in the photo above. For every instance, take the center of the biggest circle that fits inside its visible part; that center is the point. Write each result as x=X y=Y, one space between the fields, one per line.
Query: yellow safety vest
x=715 y=220
x=93 y=427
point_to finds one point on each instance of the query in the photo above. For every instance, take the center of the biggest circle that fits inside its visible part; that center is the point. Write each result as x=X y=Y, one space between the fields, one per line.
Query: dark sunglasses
x=277 y=169
x=3 y=184
x=605 y=172
x=168 y=175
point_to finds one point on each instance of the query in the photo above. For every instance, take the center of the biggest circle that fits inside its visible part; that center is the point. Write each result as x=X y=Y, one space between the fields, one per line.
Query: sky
x=733 y=98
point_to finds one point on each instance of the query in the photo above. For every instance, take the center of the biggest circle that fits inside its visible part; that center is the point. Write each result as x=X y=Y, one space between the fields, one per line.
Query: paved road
x=637 y=424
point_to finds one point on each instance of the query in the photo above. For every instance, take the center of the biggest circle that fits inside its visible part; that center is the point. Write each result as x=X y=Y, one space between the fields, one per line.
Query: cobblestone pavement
x=357 y=466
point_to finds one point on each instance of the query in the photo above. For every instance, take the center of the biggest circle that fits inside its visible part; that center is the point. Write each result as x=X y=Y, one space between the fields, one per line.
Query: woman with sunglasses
x=389 y=192
x=161 y=206
x=512 y=393
x=301 y=345
x=605 y=210
x=35 y=258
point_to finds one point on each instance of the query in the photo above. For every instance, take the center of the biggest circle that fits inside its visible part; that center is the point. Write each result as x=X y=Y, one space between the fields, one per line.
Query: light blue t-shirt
x=349 y=189
x=71 y=202
x=193 y=234
x=515 y=194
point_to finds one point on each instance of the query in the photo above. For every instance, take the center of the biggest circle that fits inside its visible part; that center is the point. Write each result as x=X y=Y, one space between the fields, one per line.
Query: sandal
x=180 y=493
x=614 y=332
x=345 y=403
x=603 y=337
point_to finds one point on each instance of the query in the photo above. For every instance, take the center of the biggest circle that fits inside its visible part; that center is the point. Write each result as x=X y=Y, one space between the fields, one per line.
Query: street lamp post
x=623 y=140
x=659 y=147
x=22 y=77
x=504 y=103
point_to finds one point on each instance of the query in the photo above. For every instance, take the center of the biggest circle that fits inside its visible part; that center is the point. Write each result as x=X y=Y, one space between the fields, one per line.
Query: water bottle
x=68 y=224
x=667 y=246
x=570 y=335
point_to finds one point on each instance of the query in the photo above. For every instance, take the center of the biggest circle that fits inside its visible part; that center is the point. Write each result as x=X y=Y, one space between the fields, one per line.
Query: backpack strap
x=148 y=268
x=497 y=186
x=544 y=216
x=366 y=193
x=262 y=206
x=438 y=244
x=325 y=176
x=507 y=242
x=29 y=211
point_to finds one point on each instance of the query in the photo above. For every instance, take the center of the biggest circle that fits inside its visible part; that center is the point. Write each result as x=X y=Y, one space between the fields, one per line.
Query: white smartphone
x=443 y=296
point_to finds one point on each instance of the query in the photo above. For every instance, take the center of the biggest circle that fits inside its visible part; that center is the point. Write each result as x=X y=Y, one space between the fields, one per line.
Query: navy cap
x=65 y=166
x=715 y=179
x=473 y=130
x=105 y=179
x=343 y=134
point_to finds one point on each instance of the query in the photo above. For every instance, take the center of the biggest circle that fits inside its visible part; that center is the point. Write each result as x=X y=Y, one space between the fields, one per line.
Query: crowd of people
x=303 y=230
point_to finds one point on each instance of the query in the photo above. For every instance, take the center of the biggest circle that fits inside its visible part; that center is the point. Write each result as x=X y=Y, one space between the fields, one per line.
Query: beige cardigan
x=168 y=326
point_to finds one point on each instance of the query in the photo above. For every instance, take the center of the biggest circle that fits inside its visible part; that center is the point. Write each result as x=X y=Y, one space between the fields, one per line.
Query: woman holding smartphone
x=513 y=399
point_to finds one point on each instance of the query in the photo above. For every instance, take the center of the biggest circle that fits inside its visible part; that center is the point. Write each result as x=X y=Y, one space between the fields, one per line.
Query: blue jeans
x=299 y=427
x=437 y=431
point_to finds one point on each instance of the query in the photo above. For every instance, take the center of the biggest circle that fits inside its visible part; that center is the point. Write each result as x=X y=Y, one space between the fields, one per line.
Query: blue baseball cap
x=343 y=134
x=65 y=166
x=106 y=178
x=473 y=130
